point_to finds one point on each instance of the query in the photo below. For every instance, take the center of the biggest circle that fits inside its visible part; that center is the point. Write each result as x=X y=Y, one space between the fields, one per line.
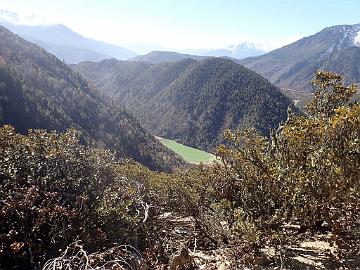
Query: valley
x=189 y=154
x=192 y=102
x=53 y=97
x=270 y=87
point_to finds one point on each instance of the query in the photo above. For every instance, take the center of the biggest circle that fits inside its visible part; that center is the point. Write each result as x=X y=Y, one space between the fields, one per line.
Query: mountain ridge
x=38 y=91
x=61 y=35
x=194 y=102
x=294 y=65
x=156 y=57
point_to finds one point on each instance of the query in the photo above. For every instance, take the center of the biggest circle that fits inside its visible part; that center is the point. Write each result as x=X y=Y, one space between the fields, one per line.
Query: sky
x=191 y=24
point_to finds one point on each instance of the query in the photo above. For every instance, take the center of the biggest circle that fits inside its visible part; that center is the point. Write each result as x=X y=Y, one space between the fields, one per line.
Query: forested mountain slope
x=111 y=75
x=194 y=102
x=37 y=90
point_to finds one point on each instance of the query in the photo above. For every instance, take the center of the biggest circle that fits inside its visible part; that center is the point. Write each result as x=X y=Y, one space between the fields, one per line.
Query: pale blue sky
x=193 y=23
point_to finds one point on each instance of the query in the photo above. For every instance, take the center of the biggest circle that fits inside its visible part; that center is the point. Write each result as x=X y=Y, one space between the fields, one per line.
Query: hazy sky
x=192 y=23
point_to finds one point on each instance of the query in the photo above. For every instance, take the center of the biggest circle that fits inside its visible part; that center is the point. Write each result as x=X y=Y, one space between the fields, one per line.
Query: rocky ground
x=310 y=251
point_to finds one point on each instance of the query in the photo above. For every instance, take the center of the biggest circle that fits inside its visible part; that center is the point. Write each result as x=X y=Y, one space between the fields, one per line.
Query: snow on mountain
x=247 y=49
x=346 y=36
x=350 y=36
x=355 y=34
x=357 y=39
x=239 y=51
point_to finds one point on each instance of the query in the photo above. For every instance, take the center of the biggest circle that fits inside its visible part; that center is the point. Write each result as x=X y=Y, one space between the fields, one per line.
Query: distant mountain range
x=157 y=57
x=334 y=49
x=37 y=90
x=73 y=48
x=239 y=51
x=69 y=54
x=191 y=101
x=65 y=43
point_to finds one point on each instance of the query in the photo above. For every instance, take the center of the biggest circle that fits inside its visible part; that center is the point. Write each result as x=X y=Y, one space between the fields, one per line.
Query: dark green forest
x=38 y=91
x=189 y=101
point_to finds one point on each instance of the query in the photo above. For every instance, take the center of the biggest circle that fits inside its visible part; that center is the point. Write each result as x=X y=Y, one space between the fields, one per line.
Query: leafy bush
x=306 y=174
x=55 y=191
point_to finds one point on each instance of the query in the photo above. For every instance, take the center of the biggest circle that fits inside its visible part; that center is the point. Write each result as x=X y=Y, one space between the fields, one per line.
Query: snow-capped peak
x=357 y=39
x=350 y=36
x=248 y=45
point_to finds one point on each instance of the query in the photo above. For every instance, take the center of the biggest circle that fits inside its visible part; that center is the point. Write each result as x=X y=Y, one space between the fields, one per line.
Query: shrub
x=54 y=191
x=307 y=173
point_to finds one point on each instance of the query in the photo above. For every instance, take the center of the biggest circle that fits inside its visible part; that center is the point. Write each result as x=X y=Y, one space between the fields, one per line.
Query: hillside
x=37 y=90
x=195 y=102
x=58 y=36
x=293 y=66
x=69 y=54
x=157 y=57
x=111 y=75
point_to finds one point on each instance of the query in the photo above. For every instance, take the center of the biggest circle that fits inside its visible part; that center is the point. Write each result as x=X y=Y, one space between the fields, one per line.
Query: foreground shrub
x=75 y=257
x=54 y=191
x=307 y=173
